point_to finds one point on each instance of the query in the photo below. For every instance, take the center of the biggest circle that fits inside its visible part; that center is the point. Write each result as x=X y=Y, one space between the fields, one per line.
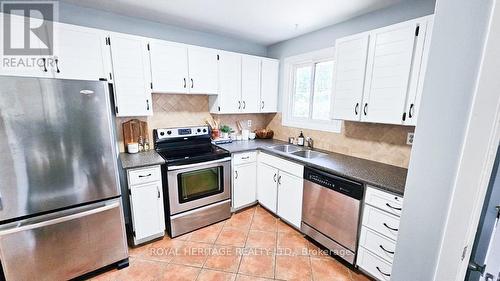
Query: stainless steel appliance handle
x=59 y=220
x=173 y=168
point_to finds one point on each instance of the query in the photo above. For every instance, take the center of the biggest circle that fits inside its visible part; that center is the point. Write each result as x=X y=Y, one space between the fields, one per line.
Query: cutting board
x=133 y=129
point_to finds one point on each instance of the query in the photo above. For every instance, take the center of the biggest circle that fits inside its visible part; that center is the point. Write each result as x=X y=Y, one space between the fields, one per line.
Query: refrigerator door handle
x=59 y=220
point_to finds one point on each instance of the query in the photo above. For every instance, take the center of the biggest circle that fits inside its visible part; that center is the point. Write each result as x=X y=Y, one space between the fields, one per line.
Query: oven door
x=196 y=185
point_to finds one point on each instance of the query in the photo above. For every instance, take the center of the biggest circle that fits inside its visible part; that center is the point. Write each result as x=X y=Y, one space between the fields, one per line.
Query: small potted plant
x=225 y=129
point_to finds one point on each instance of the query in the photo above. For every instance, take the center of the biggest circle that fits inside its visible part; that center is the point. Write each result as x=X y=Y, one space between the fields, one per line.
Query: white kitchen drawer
x=381 y=222
x=282 y=164
x=244 y=157
x=384 y=200
x=144 y=175
x=374 y=265
x=378 y=244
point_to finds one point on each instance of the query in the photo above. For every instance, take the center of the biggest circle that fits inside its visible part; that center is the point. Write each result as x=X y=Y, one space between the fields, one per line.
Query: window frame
x=290 y=66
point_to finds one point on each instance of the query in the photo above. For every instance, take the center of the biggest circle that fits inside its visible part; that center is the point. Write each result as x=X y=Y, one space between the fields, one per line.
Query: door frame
x=476 y=164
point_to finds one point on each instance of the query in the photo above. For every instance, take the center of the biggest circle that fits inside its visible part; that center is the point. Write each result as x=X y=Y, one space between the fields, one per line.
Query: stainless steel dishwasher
x=331 y=212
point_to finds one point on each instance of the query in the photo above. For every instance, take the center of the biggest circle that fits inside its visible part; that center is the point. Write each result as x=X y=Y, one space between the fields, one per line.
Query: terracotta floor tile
x=293 y=268
x=242 y=219
x=329 y=269
x=177 y=272
x=193 y=254
x=163 y=250
x=232 y=236
x=207 y=234
x=317 y=252
x=183 y=237
x=256 y=262
x=241 y=277
x=224 y=258
x=358 y=276
x=212 y=275
x=283 y=227
x=261 y=239
x=137 y=270
x=264 y=221
x=138 y=251
x=292 y=244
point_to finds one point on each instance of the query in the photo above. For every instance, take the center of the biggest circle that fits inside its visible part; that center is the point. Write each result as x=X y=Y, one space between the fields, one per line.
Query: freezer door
x=65 y=245
x=57 y=148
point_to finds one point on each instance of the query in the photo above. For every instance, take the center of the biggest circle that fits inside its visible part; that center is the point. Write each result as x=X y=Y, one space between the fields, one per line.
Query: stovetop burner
x=187 y=145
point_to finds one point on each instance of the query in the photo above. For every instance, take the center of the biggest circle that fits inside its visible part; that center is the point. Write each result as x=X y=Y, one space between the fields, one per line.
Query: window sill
x=333 y=126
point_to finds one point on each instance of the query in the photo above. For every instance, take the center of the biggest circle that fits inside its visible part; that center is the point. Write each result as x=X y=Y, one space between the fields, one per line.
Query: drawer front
x=384 y=200
x=374 y=265
x=381 y=222
x=245 y=157
x=282 y=164
x=378 y=244
x=144 y=175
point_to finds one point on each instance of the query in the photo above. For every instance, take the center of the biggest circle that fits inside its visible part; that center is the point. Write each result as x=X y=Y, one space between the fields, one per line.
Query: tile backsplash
x=377 y=142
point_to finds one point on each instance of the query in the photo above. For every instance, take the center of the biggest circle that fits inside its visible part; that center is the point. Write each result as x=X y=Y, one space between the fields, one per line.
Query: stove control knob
x=204 y=130
x=162 y=133
x=199 y=130
x=169 y=132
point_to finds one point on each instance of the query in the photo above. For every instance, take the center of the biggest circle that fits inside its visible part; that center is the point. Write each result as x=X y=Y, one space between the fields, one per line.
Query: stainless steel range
x=196 y=178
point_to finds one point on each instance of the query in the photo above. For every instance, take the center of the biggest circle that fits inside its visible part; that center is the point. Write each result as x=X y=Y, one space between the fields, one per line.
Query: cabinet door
x=267 y=186
x=30 y=66
x=202 y=70
x=290 y=198
x=229 y=98
x=388 y=71
x=350 y=57
x=244 y=185
x=131 y=71
x=79 y=53
x=269 y=86
x=146 y=206
x=169 y=67
x=419 y=67
x=250 y=84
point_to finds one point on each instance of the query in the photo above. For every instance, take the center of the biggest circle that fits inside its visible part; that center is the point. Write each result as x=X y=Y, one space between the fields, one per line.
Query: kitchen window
x=308 y=96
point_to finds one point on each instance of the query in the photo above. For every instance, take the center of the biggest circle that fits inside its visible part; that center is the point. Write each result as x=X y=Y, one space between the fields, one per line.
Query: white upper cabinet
x=390 y=58
x=202 y=70
x=269 y=85
x=250 y=84
x=350 y=56
x=228 y=99
x=169 y=67
x=78 y=52
x=132 y=76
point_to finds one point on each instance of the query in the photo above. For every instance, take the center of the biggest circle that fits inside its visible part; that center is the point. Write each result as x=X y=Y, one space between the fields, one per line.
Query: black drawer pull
x=144 y=176
x=389 y=252
x=364 y=108
x=356 y=108
x=385 y=274
x=393 y=229
x=394 y=208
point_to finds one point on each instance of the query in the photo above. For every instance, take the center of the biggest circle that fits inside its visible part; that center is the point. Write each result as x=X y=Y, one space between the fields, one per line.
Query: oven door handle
x=173 y=168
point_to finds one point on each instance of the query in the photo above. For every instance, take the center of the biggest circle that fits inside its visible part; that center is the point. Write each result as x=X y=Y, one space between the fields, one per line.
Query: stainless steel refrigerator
x=60 y=207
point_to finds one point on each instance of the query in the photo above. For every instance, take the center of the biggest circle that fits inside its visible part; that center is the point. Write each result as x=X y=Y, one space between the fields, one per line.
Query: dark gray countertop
x=141 y=159
x=383 y=176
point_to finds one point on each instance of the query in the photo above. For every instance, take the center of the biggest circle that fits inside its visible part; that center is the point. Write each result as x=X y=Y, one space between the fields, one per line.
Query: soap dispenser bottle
x=300 y=139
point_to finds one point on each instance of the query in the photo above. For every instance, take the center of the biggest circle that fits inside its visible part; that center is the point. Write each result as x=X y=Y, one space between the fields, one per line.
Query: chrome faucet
x=309 y=143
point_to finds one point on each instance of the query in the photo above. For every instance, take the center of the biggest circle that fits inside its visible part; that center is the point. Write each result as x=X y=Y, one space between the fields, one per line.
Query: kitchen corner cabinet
x=380 y=73
x=131 y=75
x=146 y=203
x=280 y=187
x=244 y=179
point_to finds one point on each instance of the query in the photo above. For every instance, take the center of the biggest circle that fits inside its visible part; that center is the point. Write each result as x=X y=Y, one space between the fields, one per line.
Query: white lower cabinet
x=267 y=186
x=244 y=180
x=379 y=232
x=290 y=198
x=146 y=203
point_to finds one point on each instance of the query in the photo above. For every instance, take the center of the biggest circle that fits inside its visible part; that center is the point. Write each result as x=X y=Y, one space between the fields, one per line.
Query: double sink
x=298 y=151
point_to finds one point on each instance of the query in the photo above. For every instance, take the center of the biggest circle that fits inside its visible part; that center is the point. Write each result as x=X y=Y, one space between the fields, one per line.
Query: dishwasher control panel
x=345 y=186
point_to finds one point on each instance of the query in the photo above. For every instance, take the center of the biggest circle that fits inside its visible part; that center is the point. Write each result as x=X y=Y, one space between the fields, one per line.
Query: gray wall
x=326 y=37
x=77 y=15
x=456 y=48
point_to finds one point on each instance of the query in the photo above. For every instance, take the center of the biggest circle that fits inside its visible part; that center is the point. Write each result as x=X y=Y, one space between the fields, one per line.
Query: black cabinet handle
x=394 y=208
x=144 y=176
x=390 y=228
x=274 y=177
x=147 y=104
x=235 y=174
x=44 y=64
x=356 y=108
x=364 y=108
x=239 y=104
x=385 y=274
x=244 y=104
x=389 y=252
x=410 y=112
x=184 y=83
x=57 y=65
x=192 y=83
x=262 y=105
x=158 y=190
x=279 y=180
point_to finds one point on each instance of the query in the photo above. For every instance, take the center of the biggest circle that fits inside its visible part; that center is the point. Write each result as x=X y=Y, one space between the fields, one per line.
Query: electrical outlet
x=409 y=138
x=249 y=123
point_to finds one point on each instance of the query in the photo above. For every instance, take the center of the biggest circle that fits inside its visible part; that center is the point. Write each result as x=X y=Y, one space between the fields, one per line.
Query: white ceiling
x=261 y=21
